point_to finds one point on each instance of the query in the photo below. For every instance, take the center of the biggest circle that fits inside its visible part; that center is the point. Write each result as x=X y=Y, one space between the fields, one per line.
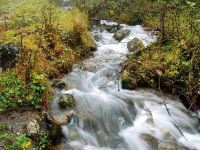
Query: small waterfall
x=112 y=119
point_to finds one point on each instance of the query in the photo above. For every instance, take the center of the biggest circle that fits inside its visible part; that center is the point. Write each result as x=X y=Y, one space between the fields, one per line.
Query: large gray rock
x=135 y=45
x=8 y=55
x=121 y=34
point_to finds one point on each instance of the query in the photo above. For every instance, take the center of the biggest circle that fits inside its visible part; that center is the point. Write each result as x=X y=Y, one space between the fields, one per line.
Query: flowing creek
x=112 y=119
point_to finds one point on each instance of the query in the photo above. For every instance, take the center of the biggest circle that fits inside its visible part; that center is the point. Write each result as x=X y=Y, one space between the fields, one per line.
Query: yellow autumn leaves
x=28 y=145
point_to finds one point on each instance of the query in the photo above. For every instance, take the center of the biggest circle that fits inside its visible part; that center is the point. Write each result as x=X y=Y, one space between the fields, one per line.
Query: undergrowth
x=50 y=40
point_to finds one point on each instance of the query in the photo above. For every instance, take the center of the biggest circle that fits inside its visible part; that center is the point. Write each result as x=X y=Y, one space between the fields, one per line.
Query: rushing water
x=112 y=119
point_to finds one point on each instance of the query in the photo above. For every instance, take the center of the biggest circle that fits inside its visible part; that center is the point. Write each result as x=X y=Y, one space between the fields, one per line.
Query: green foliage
x=12 y=141
x=6 y=136
x=2 y=126
x=15 y=93
x=43 y=141
x=127 y=81
x=21 y=141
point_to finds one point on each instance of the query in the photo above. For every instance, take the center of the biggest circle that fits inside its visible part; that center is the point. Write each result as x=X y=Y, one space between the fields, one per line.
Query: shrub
x=14 y=92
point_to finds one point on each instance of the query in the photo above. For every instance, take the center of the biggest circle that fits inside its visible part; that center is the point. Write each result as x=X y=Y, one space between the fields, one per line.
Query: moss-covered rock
x=129 y=83
x=108 y=27
x=121 y=34
x=135 y=45
x=60 y=119
x=66 y=101
x=55 y=130
x=93 y=47
x=8 y=55
x=112 y=28
x=57 y=83
x=55 y=134
x=53 y=125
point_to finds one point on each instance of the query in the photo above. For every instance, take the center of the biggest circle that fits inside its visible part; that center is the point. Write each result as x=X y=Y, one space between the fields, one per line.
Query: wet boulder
x=150 y=140
x=150 y=121
x=108 y=27
x=60 y=119
x=121 y=34
x=167 y=134
x=8 y=55
x=93 y=47
x=73 y=134
x=53 y=124
x=95 y=21
x=112 y=28
x=66 y=101
x=59 y=84
x=97 y=37
x=168 y=146
x=55 y=134
x=170 y=142
x=135 y=45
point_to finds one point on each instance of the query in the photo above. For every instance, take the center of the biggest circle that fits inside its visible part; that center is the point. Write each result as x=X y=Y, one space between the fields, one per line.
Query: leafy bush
x=43 y=141
x=14 y=92
x=12 y=141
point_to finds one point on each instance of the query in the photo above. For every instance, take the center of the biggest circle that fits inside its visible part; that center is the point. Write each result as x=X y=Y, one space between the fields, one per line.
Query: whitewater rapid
x=112 y=119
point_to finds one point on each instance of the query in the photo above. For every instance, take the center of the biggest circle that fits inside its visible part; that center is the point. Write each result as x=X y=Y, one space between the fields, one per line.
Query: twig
x=170 y=114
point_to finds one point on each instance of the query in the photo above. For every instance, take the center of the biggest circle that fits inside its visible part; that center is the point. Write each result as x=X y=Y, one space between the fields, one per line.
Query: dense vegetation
x=49 y=41
x=172 y=63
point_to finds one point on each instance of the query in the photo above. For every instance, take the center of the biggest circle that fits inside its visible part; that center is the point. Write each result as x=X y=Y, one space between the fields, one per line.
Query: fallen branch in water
x=169 y=112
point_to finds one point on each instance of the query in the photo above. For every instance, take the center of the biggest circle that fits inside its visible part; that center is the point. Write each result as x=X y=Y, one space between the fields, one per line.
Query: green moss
x=128 y=83
x=55 y=134
x=66 y=103
x=63 y=104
